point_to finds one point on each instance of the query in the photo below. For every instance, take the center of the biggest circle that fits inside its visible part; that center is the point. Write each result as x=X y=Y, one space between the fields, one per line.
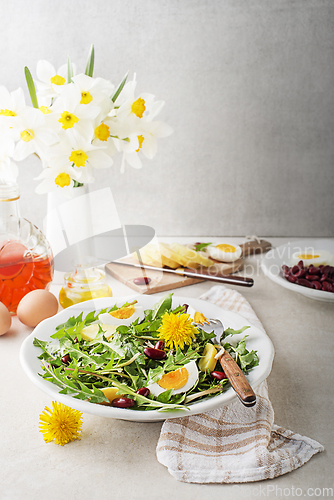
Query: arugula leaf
x=165 y=396
x=200 y=246
x=162 y=306
x=230 y=331
x=48 y=349
x=154 y=375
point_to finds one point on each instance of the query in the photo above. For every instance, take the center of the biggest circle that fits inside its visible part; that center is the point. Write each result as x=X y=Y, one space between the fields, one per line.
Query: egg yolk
x=226 y=248
x=175 y=379
x=306 y=256
x=123 y=312
x=199 y=318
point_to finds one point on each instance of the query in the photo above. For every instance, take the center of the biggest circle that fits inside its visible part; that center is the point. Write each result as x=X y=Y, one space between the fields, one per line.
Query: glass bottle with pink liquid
x=26 y=260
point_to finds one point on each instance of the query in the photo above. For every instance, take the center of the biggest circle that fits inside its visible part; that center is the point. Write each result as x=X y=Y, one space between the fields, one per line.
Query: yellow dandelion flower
x=61 y=424
x=177 y=330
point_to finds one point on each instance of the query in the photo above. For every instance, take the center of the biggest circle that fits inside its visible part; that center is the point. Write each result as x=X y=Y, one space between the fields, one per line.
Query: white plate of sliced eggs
x=316 y=252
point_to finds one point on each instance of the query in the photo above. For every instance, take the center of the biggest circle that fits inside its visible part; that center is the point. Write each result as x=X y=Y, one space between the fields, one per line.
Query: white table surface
x=116 y=459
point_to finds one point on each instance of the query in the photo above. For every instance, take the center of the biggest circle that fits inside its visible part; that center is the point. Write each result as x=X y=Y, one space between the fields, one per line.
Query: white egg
x=311 y=256
x=180 y=380
x=224 y=252
x=122 y=316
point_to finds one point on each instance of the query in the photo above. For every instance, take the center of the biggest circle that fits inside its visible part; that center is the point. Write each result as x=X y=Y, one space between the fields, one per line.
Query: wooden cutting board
x=161 y=282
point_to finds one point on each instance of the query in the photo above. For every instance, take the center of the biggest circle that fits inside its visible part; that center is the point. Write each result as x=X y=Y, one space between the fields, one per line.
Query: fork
x=233 y=372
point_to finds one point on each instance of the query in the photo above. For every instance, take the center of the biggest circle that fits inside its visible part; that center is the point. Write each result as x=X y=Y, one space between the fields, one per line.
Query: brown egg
x=36 y=306
x=5 y=319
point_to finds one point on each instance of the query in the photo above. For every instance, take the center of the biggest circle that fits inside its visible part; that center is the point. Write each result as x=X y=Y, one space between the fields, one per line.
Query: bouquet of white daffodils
x=76 y=125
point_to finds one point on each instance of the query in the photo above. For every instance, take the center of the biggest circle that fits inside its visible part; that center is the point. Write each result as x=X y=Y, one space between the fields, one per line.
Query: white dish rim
x=277 y=276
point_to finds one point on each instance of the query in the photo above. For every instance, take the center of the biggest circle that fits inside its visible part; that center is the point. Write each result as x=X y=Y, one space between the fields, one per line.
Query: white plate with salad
x=141 y=358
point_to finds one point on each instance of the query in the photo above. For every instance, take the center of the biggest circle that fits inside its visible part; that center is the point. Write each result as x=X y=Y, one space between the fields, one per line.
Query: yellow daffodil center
x=68 y=120
x=86 y=98
x=176 y=330
x=140 y=141
x=78 y=157
x=7 y=112
x=102 y=132
x=58 y=80
x=45 y=110
x=138 y=107
x=63 y=180
x=123 y=312
x=27 y=135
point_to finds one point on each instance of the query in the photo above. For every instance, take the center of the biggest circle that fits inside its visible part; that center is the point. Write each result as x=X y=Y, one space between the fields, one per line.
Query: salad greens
x=83 y=368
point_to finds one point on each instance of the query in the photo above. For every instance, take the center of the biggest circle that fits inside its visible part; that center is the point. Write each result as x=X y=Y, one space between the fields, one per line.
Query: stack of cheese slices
x=172 y=255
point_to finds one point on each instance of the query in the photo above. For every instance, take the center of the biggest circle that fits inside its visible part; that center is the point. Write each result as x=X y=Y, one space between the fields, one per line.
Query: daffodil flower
x=75 y=151
x=50 y=82
x=35 y=137
x=96 y=91
x=58 y=178
x=68 y=112
x=12 y=104
x=142 y=106
x=134 y=136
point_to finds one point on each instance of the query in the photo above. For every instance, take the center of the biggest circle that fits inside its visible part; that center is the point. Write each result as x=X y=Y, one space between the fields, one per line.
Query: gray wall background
x=249 y=91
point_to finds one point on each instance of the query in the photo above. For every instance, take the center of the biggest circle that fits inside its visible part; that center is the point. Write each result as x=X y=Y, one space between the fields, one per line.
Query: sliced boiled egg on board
x=224 y=252
x=312 y=256
x=122 y=316
x=180 y=380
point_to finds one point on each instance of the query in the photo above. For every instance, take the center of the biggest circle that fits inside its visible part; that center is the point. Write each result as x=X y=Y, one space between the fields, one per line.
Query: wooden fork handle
x=237 y=379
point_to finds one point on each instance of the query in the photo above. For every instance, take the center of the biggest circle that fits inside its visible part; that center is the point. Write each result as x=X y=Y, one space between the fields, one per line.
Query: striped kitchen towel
x=232 y=444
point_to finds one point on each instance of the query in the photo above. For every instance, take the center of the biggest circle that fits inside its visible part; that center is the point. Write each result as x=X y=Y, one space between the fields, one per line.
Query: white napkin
x=232 y=444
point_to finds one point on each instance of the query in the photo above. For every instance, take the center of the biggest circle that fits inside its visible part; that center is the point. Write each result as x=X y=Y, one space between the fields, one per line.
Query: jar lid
x=9 y=192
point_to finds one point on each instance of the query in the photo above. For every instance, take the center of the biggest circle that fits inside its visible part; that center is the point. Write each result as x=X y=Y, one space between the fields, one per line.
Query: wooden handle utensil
x=237 y=378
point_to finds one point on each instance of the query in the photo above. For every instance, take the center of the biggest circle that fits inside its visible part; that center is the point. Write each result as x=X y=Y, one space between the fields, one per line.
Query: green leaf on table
x=31 y=87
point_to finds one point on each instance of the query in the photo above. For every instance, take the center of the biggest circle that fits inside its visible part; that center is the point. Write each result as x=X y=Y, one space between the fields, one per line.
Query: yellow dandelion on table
x=61 y=424
x=176 y=330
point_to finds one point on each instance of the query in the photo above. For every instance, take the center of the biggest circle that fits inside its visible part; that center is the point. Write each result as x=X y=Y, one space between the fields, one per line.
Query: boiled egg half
x=224 y=252
x=180 y=380
x=312 y=256
x=122 y=316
